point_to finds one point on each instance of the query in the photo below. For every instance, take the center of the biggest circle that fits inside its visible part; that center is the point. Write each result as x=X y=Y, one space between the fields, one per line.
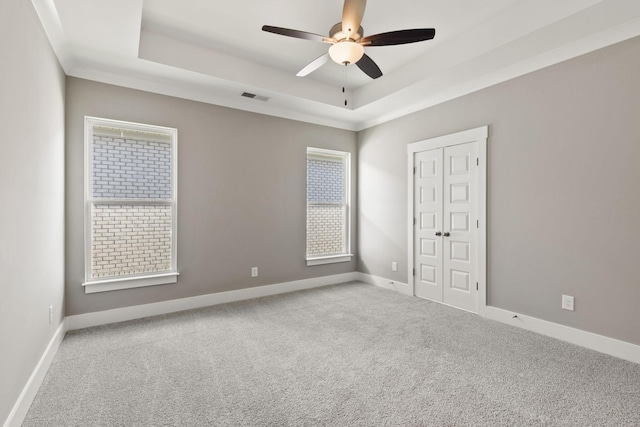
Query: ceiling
x=213 y=51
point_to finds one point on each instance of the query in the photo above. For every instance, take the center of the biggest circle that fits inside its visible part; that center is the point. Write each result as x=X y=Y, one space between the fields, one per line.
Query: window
x=328 y=185
x=130 y=205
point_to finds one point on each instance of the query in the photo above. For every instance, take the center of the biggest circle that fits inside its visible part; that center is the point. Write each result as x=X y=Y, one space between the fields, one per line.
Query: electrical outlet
x=394 y=266
x=567 y=302
x=254 y=271
x=50 y=314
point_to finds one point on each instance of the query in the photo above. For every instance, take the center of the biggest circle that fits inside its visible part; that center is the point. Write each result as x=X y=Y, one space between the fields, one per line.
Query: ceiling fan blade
x=369 y=67
x=313 y=65
x=399 y=37
x=352 y=14
x=297 y=34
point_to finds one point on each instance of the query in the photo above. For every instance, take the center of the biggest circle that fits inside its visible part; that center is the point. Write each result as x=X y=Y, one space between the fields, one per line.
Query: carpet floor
x=343 y=355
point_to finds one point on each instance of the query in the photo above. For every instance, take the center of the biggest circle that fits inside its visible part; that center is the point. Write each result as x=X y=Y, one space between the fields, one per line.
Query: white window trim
x=347 y=255
x=139 y=280
x=330 y=259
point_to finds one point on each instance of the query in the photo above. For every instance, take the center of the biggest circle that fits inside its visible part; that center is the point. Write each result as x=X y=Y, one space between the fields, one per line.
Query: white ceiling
x=212 y=51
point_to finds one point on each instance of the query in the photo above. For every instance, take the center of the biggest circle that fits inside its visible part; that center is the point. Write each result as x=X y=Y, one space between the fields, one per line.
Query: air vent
x=254 y=96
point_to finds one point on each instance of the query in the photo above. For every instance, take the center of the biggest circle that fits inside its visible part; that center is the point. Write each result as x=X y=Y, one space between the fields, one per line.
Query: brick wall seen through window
x=327 y=207
x=130 y=202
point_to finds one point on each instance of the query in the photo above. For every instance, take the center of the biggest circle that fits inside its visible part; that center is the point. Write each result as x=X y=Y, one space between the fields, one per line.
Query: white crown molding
x=48 y=14
x=499 y=31
x=166 y=50
x=595 y=28
x=474 y=60
x=170 y=81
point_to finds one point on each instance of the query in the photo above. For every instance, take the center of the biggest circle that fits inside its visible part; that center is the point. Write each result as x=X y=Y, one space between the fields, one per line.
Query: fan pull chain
x=345 y=84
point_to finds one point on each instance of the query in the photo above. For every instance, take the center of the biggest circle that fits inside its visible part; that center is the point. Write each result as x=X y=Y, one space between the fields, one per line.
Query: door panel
x=460 y=251
x=459 y=193
x=459 y=219
x=428 y=213
x=460 y=280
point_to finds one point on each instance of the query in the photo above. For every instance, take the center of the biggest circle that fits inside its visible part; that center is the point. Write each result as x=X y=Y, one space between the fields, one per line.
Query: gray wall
x=563 y=197
x=241 y=194
x=32 y=196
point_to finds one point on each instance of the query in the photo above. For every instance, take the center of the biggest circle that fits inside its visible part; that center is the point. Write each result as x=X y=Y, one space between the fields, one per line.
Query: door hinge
x=414 y=170
x=414 y=221
x=477 y=161
x=476 y=286
x=477 y=223
x=414 y=271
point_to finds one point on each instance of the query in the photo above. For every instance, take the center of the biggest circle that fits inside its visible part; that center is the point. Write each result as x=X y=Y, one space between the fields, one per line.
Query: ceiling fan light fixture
x=346 y=52
x=347 y=43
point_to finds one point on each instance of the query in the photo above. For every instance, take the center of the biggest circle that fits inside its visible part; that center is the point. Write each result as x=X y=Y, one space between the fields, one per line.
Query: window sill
x=329 y=259
x=129 y=282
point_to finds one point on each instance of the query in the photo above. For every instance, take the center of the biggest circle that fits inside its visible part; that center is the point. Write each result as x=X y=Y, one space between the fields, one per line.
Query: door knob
x=446 y=234
x=438 y=233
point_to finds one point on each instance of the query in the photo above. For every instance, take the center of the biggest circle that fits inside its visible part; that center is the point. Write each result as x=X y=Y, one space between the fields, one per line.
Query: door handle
x=438 y=233
x=446 y=234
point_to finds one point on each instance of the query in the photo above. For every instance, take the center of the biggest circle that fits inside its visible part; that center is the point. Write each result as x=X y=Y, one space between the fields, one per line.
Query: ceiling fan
x=348 y=42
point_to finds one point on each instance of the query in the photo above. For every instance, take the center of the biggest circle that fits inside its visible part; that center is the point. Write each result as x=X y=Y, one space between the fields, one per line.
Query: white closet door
x=445 y=239
x=428 y=222
x=459 y=252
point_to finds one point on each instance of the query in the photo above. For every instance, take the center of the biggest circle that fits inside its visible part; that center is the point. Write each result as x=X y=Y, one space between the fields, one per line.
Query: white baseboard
x=600 y=343
x=611 y=346
x=21 y=407
x=139 y=311
x=385 y=283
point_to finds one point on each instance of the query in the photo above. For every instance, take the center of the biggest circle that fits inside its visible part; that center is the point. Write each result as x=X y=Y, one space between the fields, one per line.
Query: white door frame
x=479 y=136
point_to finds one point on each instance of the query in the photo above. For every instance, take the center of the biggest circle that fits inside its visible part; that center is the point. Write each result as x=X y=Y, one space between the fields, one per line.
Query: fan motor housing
x=337 y=34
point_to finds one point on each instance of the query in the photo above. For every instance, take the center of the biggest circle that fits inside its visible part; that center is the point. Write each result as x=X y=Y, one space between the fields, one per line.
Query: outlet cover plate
x=567 y=302
x=254 y=271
